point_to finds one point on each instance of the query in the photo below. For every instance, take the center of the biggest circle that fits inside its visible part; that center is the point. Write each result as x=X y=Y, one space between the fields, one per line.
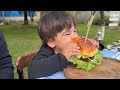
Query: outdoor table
x=109 y=68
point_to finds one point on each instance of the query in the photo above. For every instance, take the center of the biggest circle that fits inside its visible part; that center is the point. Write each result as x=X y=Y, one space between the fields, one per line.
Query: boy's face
x=64 y=38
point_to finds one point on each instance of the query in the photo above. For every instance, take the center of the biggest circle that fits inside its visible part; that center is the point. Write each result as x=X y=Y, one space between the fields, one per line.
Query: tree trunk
x=31 y=17
x=25 y=18
x=102 y=18
x=101 y=30
x=102 y=24
x=3 y=15
x=32 y=20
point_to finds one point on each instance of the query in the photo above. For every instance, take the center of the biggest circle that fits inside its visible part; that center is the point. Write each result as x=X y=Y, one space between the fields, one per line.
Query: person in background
x=56 y=30
x=6 y=66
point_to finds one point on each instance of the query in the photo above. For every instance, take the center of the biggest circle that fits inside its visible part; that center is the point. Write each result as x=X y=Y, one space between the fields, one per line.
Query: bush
x=6 y=22
x=96 y=21
x=107 y=21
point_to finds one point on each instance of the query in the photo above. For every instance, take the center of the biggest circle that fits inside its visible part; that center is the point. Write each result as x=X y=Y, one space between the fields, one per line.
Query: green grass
x=24 y=38
x=20 y=39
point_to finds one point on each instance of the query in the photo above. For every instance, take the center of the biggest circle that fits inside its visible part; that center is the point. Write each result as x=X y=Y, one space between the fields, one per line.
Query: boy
x=56 y=30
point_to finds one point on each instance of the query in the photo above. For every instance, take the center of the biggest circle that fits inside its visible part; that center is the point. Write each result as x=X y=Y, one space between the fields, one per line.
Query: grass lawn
x=24 y=38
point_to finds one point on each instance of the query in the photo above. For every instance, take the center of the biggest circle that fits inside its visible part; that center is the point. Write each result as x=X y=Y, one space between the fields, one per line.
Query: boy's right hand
x=71 y=50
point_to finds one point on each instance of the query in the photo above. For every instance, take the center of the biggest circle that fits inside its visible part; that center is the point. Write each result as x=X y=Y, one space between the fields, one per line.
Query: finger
x=94 y=42
x=72 y=44
x=75 y=53
x=75 y=46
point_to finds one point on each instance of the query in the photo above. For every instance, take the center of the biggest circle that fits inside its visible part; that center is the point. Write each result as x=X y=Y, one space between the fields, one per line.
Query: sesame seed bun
x=87 y=49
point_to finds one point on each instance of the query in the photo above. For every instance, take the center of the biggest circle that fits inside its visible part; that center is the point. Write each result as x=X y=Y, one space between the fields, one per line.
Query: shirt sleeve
x=6 y=67
x=45 y=64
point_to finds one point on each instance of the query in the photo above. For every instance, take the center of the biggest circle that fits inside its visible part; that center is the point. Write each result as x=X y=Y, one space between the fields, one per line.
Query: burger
x=90 y=55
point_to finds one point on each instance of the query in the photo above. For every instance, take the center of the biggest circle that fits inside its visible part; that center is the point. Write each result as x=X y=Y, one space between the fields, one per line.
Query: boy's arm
x=45 y=65
x=6 y=67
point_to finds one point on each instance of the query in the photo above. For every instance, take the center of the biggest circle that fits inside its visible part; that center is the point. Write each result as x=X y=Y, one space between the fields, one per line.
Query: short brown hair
x=52 y=23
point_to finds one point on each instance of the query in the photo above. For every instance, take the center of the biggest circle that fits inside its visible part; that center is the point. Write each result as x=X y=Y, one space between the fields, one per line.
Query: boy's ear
x=51 y=43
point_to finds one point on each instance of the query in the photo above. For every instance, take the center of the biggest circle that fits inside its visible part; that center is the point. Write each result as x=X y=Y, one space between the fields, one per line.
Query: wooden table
x=109 y=69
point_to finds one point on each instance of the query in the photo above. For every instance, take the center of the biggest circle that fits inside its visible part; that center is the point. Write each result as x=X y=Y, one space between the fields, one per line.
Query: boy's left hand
x=96 y=43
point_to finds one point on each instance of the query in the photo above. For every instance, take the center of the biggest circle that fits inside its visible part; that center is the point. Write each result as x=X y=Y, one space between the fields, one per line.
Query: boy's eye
x=75 y=30
x=67 y=33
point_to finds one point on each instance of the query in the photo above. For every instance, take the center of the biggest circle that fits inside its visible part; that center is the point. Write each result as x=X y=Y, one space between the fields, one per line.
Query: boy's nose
x=74 y=36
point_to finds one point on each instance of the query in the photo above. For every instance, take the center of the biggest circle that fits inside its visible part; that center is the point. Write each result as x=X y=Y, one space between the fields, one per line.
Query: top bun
x=88 y=49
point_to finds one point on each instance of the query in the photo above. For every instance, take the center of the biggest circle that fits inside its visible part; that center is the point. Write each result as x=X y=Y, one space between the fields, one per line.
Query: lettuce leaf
x=87 y=65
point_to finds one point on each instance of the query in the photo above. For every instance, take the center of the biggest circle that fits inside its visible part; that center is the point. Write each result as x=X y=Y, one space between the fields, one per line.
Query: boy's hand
x=96 y=43
x=70 y=50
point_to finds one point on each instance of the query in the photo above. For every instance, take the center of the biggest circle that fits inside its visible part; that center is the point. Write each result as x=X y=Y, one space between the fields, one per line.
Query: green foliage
x=6 y=22
x=107 y=21
x=97 y=20
x=43 y=12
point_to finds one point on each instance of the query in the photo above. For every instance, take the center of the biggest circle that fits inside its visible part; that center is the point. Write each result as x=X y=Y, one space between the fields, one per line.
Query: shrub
x=107 y=21
x=96 y=21
x=6 y=22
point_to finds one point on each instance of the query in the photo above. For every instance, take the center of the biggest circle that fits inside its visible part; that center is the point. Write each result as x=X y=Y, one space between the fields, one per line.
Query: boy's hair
x=52 y=23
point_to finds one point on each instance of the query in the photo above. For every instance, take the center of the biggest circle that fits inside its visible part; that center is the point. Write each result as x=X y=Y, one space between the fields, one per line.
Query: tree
x=101 y=29
x=5 y=21
x=31 y=14
x=102 y=24
x=102 y=18
x=25 y=16
x=26 y=13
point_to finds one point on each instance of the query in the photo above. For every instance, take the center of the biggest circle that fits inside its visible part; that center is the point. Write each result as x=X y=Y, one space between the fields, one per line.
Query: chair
x=23 y=61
